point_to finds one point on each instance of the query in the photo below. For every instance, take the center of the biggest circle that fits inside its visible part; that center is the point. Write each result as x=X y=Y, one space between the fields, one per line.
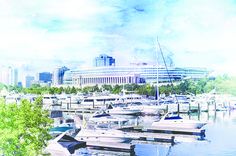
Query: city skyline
x=193 y=33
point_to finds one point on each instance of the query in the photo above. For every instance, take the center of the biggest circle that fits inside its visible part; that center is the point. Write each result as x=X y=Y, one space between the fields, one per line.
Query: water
x=219 y=140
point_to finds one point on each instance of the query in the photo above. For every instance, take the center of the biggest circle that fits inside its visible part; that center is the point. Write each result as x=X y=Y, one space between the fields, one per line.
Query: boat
x=102 y=135
x=15 y=98
x=171 y=120
x=50 y=102
x=64 y=145
x=67 y=126
x=103 y=117
x=147 y=108
x=122 y=109
x=97 y=101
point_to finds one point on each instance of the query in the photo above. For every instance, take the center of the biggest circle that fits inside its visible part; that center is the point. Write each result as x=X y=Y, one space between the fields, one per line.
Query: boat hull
x=190 y=124
x=101 y=136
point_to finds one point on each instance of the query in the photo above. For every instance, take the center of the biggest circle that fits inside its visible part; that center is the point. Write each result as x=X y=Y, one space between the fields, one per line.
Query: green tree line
x=221 y=84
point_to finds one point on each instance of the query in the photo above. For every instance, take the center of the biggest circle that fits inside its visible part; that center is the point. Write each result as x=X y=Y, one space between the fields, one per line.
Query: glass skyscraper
x=104 y=60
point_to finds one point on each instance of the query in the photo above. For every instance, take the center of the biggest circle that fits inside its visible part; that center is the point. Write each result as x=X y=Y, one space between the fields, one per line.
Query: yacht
x=102 y=117
x=98 y=101
x=132 y=98
x=102 y=135
x=50 y=99
x=13 y=99
x=147 y=108
x=122 y=109
x=63 y=145
x=171 y=120
x=67 y=125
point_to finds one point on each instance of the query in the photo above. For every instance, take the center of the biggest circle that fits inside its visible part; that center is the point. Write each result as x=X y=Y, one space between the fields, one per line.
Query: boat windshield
x=101 y=114
x=172 y=117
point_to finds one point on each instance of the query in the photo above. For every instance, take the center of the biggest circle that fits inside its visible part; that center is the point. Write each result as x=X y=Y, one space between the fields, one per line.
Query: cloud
x=79 y=30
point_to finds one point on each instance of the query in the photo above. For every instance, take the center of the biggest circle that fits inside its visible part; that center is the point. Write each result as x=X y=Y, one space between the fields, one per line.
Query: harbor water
x=219 y=140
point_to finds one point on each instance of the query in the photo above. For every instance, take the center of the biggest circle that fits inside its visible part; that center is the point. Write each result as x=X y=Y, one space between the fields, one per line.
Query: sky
x=42 y=34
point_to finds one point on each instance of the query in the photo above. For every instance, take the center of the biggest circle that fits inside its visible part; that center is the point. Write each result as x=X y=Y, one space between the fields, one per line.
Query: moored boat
x=102 y=135
x=175 y=121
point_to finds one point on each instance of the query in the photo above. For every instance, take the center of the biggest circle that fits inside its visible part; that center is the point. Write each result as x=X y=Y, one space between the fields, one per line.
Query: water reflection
x=218 y=140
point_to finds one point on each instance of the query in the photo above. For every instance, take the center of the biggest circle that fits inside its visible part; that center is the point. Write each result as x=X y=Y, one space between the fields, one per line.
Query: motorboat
x=171 y=120
x=64 y=145
x=67 y=126
x=98 y=101
x=122 y=109
x=102 y=135
x=50 y=99
x=103 y=117
x=147 y=108
x=13 y=99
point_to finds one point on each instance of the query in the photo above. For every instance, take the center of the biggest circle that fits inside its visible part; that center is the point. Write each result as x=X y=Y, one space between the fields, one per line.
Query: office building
x=104 y=60
x=67 y=79
x=28 y=81
x=58 y=75
x=8 y=75
x=45 y=77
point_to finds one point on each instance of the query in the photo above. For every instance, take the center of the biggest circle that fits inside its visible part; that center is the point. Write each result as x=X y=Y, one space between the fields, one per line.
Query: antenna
x=167 y=72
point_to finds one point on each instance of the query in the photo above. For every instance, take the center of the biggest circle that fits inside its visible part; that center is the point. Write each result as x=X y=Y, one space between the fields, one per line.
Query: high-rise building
x=45 y=77
x=14 y=76
x=67 y=79
x=8 y=75
x=58 y=75
x=28 y=81
x=104 y=60
x=19 y=84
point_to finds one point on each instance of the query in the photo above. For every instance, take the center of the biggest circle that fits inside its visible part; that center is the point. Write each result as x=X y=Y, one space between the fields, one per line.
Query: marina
x=99 y=130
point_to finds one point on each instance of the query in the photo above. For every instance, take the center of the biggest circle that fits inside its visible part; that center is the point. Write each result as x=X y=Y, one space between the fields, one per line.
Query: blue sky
x=194 y=32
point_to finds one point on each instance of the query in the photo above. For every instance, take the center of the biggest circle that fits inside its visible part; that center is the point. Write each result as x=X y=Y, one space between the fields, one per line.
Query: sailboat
x=171 y=120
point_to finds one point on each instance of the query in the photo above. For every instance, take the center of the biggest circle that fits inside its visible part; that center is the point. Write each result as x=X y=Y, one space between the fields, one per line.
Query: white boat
x=175 y=121
x=122 y=109
x=102 y=135
x=98 y=101
x=132 y=98
x=50 y=99
x=63 y=145
x=102 y=117
x=147 y=108
x=13 y=99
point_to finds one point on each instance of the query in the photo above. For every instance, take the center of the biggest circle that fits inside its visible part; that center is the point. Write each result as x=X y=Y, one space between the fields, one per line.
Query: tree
x=116 y=89
x=107 y=87
x=24 y=128
x=73 y=90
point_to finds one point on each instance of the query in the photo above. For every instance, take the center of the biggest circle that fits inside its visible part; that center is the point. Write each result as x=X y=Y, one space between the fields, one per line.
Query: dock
x=176 y=130
x=136 y=138
x=157 y=137
x=168 y=130
x=79 y=111
x=126 y=147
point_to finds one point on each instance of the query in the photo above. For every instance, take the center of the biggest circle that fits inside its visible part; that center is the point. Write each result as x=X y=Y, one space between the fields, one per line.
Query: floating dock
x=126 y=147
x=152 y=136
x=176 y=130
x=168 y=130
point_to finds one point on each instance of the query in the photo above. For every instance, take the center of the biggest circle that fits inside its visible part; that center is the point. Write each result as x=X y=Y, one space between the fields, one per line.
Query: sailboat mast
x=168 y=74
x=157 y=76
